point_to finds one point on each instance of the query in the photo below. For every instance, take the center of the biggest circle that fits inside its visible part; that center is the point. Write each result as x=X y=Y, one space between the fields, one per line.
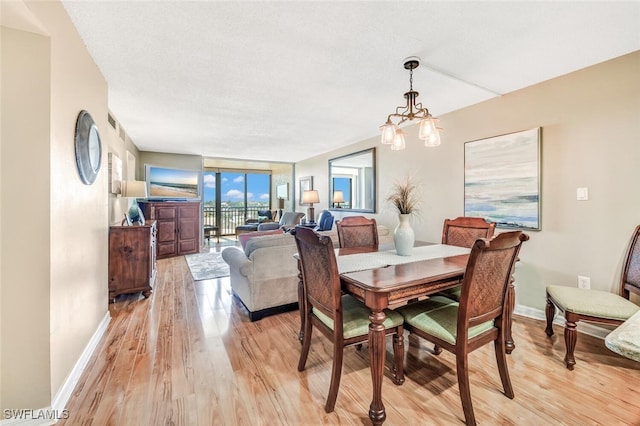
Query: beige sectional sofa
x=264 y=275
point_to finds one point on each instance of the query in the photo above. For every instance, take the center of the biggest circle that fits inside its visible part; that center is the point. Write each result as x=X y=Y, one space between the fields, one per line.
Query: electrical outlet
x=584 y=282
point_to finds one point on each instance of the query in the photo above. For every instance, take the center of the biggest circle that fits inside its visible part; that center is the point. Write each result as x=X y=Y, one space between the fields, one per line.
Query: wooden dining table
x=388 y=281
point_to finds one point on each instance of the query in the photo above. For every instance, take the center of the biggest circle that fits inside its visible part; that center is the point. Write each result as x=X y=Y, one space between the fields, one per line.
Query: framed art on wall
x=502 y=179
x=306 y=183
x=115 y=173
x=282 y=191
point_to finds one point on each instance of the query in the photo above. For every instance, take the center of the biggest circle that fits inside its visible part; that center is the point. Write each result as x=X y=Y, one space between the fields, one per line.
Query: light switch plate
x=582 y=194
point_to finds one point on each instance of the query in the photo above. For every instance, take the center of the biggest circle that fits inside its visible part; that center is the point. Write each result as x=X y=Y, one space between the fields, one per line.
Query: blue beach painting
x=502 y=179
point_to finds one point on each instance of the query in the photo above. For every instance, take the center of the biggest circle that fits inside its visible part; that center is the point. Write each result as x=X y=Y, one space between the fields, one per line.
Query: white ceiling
x=284 y=81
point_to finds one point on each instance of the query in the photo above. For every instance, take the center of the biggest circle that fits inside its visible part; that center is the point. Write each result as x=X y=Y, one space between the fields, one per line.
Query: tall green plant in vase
x=405 y=198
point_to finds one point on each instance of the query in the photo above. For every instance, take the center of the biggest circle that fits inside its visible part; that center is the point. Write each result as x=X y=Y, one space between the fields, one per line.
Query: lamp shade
x=311 y=196
x=134 y=189
x=338 y=197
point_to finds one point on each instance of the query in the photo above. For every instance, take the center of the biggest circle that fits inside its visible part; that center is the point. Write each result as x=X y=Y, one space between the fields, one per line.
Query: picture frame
x=305 y=184
x=502 y=179
x=282 y=191
x=115 y=174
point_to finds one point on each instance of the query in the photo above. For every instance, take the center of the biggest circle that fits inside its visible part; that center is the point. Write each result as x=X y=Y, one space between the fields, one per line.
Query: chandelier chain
x=411 y=80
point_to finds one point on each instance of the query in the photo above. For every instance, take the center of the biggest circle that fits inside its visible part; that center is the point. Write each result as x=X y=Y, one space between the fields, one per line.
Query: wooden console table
x=132 y=259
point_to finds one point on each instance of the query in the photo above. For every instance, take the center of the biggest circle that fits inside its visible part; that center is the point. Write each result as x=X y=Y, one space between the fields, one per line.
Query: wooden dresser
x=178 y=226
x=132 y=259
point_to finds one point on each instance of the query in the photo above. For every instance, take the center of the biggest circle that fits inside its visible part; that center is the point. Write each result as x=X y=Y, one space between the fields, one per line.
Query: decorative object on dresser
x=135 y=189
x=132 y=259
x=178 y=226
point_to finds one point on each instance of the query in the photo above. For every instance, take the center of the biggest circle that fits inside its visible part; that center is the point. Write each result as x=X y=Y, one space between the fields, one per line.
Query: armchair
x=325 y=222
x=288 y=221
x=251 y=225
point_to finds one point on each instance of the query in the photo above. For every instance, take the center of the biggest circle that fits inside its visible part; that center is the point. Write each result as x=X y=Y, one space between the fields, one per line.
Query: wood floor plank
x=188 y=355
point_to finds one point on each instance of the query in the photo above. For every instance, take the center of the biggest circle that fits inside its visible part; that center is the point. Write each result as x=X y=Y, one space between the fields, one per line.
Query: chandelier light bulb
x=398 y=142
x=427 y=128
x=388 y=132
x=433 y=140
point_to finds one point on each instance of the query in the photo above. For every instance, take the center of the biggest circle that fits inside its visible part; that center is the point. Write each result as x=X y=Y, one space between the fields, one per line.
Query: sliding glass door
x=231 y=197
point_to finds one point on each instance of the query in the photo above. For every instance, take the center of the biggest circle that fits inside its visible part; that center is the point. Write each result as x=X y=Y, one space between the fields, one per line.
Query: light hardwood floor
x=189 y=356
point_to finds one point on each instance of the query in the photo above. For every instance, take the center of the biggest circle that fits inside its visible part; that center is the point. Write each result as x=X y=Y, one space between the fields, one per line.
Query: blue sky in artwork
x=233 y=187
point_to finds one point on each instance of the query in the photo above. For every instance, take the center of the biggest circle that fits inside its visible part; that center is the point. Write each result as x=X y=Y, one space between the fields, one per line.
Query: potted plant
x=404 y=197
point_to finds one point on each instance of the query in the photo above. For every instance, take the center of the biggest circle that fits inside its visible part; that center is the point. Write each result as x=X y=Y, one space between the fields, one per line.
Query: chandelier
x=429 y=132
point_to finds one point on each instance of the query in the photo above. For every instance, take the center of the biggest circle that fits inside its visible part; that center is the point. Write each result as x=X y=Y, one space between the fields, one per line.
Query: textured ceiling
x=284 y=81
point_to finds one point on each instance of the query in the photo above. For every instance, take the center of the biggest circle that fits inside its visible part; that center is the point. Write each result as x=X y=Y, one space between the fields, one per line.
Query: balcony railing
x=230 y=217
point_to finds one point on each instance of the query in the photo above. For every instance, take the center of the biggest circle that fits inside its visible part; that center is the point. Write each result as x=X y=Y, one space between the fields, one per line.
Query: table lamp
x=135 y=189
x=338 y=197
x=280 y=207
x=309 y=197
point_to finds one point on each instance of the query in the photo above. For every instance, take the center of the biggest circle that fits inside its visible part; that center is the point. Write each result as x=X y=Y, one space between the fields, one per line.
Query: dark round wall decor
x=88 y=148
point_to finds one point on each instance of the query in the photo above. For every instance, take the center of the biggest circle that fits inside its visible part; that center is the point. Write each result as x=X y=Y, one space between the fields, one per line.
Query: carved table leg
x=377 y=353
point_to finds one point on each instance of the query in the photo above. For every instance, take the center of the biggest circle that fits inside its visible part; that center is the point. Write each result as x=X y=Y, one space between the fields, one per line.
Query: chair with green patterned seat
x=593 y=305
x=341 y=318
x=479 y=318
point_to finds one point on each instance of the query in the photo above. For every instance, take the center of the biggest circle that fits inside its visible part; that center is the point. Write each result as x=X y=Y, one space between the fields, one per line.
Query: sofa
x=264 y=274
x=287 y=221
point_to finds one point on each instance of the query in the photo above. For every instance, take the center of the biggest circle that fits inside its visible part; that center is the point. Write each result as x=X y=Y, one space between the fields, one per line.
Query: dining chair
x=341 y=318
x=594 y=305
x=357 y=231
x=480 y=315
x=463 y=232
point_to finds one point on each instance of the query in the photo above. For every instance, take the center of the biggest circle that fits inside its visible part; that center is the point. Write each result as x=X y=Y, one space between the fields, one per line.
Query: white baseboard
x=50 y=415
x=61 y=398
x=583 y=327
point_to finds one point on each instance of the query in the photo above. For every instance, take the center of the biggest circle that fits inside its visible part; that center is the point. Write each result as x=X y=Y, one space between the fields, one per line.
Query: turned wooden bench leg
x=550 y=311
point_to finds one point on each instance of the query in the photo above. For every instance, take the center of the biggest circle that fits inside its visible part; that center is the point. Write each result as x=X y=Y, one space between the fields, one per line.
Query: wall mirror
x=352 y=182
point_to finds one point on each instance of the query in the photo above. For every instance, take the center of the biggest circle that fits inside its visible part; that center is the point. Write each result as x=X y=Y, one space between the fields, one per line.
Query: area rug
x=206 y=266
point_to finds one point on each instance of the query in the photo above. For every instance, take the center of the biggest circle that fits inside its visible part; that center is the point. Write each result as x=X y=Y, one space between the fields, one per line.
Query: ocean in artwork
x=502 y=180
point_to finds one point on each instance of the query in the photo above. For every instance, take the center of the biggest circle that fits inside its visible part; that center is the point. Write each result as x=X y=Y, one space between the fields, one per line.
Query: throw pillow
x=248 y=235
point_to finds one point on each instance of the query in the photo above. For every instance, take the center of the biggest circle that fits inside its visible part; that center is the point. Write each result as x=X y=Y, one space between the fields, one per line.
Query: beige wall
x=54 y=287
x=24 y=227
x=590 y=123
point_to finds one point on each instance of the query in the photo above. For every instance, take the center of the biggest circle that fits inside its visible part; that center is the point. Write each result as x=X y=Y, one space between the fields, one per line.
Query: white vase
x=403 y=236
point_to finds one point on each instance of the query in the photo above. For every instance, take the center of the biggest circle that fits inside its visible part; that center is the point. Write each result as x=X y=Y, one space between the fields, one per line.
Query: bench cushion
x=602 y=304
